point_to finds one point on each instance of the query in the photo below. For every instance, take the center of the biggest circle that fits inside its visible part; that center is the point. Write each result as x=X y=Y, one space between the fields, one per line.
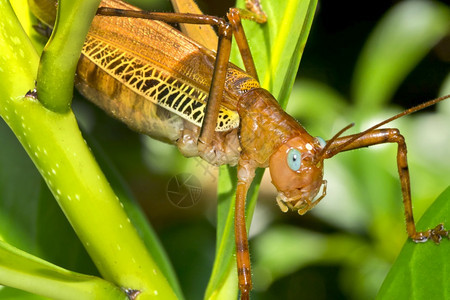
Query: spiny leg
x=221 y=65
x=217 y=86
x=234 y=16
x=223 y=53
x=381 y=136
x=254 y=13
x=246 y=172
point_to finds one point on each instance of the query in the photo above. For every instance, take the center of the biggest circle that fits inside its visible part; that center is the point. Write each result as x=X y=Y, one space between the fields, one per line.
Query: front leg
x=246 y=173
x=381 y=136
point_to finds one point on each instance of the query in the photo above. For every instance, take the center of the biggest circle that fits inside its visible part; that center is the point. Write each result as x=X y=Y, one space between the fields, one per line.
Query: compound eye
x=294 y=159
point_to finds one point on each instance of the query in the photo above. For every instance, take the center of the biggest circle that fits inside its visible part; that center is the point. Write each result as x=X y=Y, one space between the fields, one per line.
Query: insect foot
x=436 y=234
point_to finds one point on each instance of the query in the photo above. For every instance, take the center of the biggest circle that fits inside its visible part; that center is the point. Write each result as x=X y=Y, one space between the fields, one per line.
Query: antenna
x=329 y=154
x=327 y=146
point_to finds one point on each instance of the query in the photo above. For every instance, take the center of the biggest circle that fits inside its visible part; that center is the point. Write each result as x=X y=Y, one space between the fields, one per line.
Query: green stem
x=57 y=148
x=62 y=51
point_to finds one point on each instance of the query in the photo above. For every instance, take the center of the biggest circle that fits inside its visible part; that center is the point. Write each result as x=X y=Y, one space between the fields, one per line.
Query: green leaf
x=276 y=48
x=22 y=10
x=398 y=43
x=22 y=270
x=421 y=271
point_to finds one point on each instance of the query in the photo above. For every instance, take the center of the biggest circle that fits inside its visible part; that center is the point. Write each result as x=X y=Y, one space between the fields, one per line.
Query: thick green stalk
x=57 y=148
x=62 y=52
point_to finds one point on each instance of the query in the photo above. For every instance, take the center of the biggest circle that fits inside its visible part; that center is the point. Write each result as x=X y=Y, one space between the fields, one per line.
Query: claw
x=436 y=234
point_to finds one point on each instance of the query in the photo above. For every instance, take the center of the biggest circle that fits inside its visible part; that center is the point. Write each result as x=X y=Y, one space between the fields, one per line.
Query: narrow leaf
x=421 y=271
x=276 y=47
x=21 y=270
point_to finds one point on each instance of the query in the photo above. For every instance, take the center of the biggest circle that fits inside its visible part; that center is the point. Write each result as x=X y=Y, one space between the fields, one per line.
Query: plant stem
x=57 y=148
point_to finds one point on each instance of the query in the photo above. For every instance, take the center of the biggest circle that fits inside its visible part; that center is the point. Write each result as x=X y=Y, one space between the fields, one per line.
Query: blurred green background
x=343 y=248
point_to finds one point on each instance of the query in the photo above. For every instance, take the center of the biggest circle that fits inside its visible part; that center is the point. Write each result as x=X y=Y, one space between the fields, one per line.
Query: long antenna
x=327 y=146
x=411 y=110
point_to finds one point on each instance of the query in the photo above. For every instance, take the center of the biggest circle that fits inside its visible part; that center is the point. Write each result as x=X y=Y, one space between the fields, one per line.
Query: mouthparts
x=303 y=201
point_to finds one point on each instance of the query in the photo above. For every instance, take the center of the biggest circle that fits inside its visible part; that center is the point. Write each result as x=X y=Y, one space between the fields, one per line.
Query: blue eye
x=321 y=141
x=294 y=159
